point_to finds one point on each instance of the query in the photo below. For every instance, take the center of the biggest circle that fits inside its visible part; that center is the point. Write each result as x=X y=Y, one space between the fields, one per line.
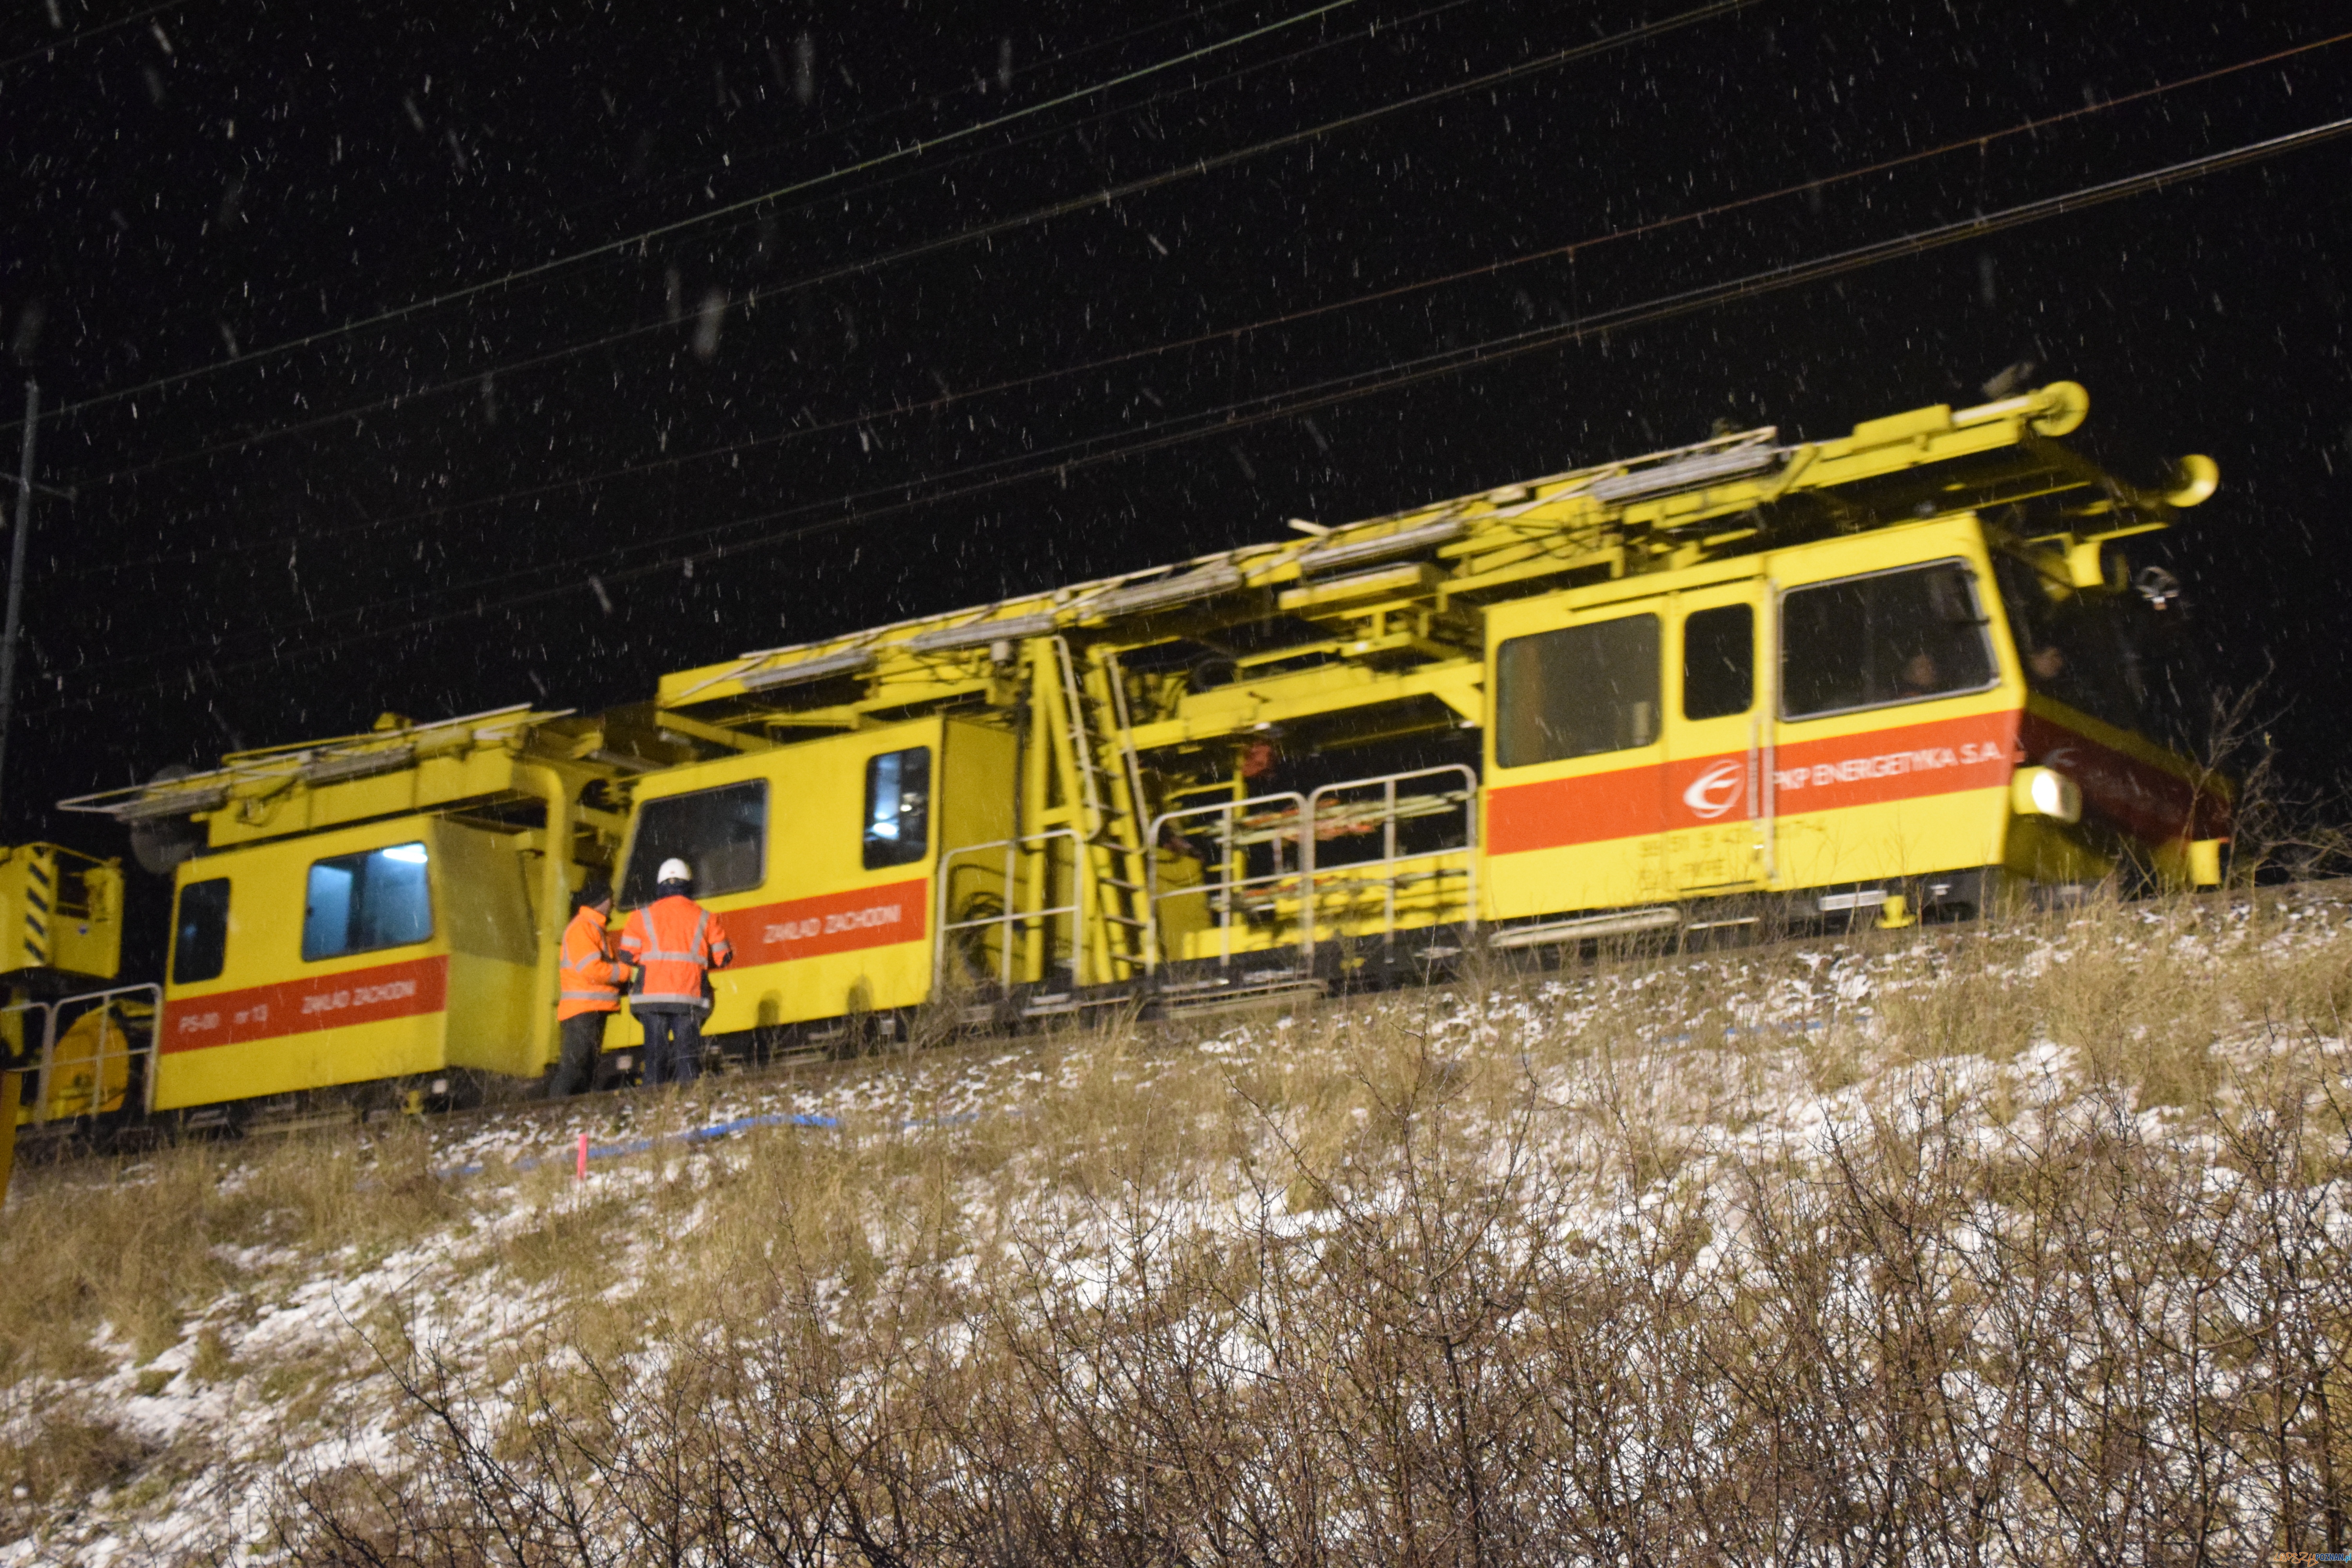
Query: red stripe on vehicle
x=2151 y=805
x=1624 y=803
x=306 y=1006
x=831 y=922
x=1900 y=762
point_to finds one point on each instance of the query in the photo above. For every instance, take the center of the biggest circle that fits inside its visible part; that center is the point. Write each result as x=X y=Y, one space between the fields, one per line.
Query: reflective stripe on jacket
x=674 y=939
x=592 y=981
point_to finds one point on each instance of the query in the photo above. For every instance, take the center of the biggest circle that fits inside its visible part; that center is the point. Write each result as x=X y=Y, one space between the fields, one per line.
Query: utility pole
x=24 y=525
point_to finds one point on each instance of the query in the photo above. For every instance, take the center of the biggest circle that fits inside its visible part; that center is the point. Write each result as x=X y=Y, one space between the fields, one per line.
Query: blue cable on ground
x=645 y=1146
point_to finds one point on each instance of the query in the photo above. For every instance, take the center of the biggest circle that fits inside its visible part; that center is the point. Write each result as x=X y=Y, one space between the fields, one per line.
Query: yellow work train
x=1744 y=683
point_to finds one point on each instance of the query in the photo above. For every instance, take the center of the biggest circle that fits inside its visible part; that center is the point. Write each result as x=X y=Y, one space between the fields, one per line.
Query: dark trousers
x=673 y=1047
x=584 y=1038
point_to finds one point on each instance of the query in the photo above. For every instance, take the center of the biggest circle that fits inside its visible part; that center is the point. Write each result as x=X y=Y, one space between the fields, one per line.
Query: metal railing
x=1228 y=886
x=1029 y=863
x=111 y=1030
x=1025 y=904
x=1340 y=810
x=1290 y=829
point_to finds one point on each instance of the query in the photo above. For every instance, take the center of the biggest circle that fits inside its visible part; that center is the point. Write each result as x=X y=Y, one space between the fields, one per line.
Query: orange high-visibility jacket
x=592 y=980
x=674 y=939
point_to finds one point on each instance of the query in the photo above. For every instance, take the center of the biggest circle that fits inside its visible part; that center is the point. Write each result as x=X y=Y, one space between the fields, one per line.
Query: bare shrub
x=1928 y=1338
x=2015 y=1245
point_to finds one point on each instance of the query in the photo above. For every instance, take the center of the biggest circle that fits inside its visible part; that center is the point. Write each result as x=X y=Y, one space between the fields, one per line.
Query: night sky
x=693 y=338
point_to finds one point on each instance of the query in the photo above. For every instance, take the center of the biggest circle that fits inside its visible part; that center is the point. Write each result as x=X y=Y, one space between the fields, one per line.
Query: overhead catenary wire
x=85 y=34
x=1245 y=412
x=1240 y=414
x=1012 y=144
x=880 y=416
x=705 y=171
x=1100 y=197
x=914 y=149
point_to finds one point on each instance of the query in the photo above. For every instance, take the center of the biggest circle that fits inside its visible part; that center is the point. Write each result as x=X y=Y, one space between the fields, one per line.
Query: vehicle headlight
x=2045 y=792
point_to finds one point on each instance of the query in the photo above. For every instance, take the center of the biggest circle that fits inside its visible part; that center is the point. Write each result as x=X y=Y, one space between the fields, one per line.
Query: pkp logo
x=1717 y=790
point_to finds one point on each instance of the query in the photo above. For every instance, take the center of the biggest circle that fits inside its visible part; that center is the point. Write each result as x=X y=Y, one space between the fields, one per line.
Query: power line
x=1247 y=413
x=54 y=45
x=706 y=171
x=869 y=417
x=1101 y=197
x=644 y=237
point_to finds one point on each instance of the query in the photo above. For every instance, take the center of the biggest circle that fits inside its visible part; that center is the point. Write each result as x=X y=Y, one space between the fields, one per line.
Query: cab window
x=1886 y=639
x=1578 y=691
x=200 y=932
x=722 y=833
x=897 y=807
x=1718 y=661
x=357 y=903
x=2093 y=651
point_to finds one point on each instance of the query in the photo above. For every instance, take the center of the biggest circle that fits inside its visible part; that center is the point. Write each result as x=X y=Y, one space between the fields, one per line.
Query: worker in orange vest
x=590 y=991
x=674 y=942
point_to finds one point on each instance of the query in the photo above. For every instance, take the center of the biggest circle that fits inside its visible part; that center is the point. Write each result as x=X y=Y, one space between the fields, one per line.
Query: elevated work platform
x=1399 y=596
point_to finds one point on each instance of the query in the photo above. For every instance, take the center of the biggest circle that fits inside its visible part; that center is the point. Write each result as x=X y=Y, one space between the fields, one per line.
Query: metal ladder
x=1110 y=800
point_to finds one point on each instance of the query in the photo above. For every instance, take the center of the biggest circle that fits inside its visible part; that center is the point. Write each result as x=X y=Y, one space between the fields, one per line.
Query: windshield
x=2111 y=655
x=1906 y=636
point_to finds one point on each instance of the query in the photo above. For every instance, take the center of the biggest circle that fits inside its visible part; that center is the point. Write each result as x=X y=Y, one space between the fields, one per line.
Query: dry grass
x=1997 y=1245
x=132 y=1247
x=58 y=1457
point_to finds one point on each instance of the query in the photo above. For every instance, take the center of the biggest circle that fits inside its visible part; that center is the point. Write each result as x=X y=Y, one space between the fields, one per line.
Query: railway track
x=938 y=1037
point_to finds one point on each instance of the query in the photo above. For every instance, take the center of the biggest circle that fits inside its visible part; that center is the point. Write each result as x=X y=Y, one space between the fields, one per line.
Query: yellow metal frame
x=1414 y=605
x=468 y=787
x=814 y=872
x=60 y=912
x=1065 y=731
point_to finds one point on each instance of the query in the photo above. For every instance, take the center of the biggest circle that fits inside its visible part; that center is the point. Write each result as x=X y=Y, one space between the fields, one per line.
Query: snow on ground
x=285 y=1371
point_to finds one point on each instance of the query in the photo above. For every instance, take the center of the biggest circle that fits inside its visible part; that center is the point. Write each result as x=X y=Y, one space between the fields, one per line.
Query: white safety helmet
x=674 y=871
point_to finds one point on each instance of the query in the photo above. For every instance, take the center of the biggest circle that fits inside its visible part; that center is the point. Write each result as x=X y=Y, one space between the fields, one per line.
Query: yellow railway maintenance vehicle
x=1740 y=682
x=1743 y=683
x=375 y=914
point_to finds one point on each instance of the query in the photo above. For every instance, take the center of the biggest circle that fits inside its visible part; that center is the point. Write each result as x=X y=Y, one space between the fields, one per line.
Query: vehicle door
x=1574 y=787
x=1718 y=737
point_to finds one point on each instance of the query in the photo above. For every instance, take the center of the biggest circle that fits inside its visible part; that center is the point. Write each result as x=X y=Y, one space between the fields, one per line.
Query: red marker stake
x=582 y=1170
